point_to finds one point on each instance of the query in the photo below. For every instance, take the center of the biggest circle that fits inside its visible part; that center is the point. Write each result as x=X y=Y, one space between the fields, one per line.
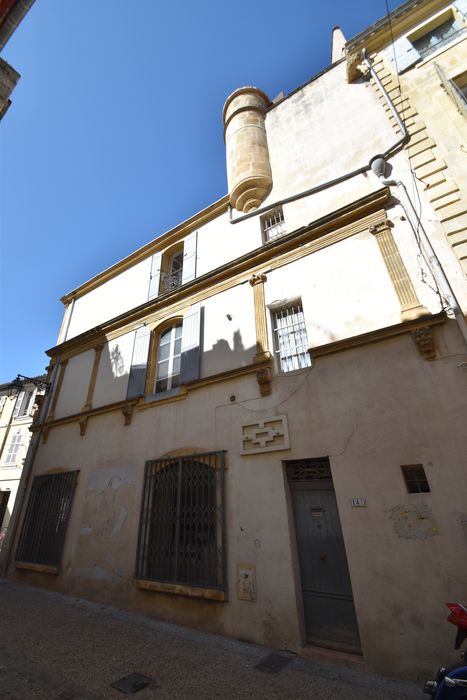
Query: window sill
x=164 y=397
x=181 y=589
x=40 y=568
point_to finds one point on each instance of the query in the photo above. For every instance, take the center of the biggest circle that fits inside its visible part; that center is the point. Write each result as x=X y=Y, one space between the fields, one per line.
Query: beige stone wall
x=370 y=409
x=438 y=136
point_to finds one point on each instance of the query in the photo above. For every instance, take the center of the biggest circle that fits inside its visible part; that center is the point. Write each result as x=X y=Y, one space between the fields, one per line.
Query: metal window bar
x=415 y=478
x=44 y=528
x=439 y=37
x=291 y=338
x=273 y=225
x=314 y=469
x=182 y=530
x=172 y=281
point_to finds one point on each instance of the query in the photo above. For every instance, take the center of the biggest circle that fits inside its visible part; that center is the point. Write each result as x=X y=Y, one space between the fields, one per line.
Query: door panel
x=327 y=592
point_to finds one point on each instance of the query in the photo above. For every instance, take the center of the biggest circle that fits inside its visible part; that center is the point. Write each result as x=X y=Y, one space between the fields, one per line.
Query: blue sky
x=115 y=132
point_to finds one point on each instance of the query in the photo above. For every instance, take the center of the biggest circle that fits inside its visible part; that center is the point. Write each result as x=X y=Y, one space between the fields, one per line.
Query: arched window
x=182 y=521
x=168 y=361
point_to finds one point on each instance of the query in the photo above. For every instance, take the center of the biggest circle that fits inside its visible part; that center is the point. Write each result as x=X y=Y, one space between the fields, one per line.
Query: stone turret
x=248 y=167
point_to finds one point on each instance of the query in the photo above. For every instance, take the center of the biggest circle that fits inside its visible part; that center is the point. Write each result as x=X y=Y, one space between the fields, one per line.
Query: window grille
x=182 y=533
x=45 y=523
x=438 y=37
x=317 y=469
x=173 y=278
x=415 y=478
x=273 y=225
x=290 y=337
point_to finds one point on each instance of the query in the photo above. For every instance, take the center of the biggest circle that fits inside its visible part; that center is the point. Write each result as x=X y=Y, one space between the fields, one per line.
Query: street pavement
x=55 y=647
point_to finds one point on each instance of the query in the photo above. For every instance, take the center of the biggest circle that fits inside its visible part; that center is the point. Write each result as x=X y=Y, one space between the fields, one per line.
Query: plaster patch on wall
x=413 y=522
x=100 y=479
x=100 y=574
x=119 y=520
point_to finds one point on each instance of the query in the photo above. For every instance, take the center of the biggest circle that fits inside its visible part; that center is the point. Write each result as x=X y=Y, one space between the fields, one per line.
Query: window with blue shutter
x=402 y=54
x=189 y=257
x=191 y=344
x=139 y=363
x=155 y=276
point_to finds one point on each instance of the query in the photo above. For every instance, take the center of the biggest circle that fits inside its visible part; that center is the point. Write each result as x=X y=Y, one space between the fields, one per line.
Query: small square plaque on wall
x=246 y=582
x=358 y=502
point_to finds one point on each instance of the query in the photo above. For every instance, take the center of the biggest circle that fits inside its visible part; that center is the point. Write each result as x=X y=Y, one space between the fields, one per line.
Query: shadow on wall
x=114 y=369
x=223 y=357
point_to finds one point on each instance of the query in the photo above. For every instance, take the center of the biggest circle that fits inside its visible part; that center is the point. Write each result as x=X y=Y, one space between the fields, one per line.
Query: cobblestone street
x=55 y=647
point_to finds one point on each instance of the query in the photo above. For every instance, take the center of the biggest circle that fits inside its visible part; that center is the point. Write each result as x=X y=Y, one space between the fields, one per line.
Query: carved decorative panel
x=266 y=435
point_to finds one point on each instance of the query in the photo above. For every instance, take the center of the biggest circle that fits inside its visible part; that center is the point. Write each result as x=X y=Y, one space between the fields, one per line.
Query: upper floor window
x=169 y=355
x=456 y=88
x=426 y=39
x=16 y=441
x=273 y=224
x=24 y=404
x=439 y=36
x=290 y=337
x=173 y=267
x=173 y=277
x=166 y=357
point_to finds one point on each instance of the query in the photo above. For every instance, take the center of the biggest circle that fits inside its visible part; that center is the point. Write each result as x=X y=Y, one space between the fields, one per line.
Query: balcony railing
x=172 y=281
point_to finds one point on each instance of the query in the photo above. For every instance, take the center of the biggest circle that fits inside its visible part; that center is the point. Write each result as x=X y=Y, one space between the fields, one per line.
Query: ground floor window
x=182 y=533
x=45 y=523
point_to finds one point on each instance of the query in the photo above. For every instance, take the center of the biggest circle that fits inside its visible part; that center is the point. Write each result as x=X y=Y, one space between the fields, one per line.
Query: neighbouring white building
x=258 y=420
x=16 y=417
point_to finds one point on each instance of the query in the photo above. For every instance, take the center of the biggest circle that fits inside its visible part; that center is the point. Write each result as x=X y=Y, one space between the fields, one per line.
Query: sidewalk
x=54 y=647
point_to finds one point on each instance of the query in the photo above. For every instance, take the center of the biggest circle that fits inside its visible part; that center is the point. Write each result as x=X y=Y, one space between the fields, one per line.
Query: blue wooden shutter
x=191 y=344
x=402 y=54
x=155 y=276
x=189 y=257
x=461 y=6
x=139 y=363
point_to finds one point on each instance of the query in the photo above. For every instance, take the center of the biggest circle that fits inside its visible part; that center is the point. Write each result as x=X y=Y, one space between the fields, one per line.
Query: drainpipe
x=378 y=165
x=25 y=476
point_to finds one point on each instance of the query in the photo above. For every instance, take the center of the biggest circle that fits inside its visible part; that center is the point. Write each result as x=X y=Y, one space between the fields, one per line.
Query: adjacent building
x=12 y=13
x=257 y=421
x=16 y=417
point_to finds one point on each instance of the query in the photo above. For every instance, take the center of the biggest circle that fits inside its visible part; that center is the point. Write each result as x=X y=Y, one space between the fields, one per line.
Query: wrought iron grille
x=415 y=478
x=439 y=37
x=172 y=281
x=273 y=225
x=291 y=338
x=45 y=523
x=317 y=469
x=182 y=531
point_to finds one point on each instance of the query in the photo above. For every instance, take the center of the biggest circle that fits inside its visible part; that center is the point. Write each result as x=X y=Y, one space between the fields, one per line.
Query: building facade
x=257 y=420
x=12 y=13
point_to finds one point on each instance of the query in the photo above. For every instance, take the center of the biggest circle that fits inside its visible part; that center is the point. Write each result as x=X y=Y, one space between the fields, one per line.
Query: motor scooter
x=451 y=683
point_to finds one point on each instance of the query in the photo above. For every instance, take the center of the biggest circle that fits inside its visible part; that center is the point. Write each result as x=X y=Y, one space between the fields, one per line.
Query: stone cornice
x=378 y=335
x=158 y=244
x=402 y=20
x=346 y=221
